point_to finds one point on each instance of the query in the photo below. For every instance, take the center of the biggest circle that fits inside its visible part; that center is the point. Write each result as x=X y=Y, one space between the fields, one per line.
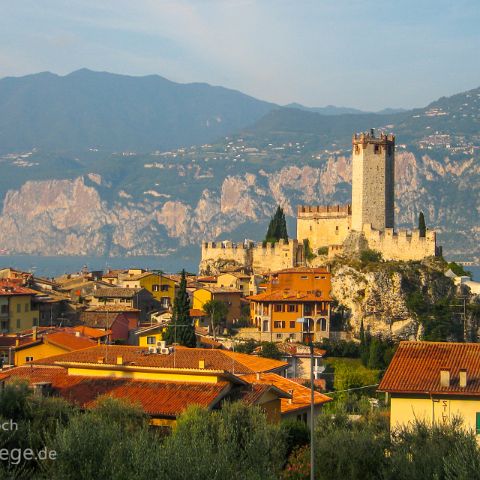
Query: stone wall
x=401 y=245
x=253 y=258
x=323 y=226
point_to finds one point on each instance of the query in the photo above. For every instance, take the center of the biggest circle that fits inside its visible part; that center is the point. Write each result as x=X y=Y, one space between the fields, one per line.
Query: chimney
x=100 y=360
x=119 y=360
x=290 y=400
x=258 y=375
x=77 y=334
x=463 y=377
x=17 y=342
x=201 y=364
x=445 y=377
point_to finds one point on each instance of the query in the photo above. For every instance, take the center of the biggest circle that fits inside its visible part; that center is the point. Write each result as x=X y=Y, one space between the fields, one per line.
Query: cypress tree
x=277 y=228
x=181 y=329
x=421 y=224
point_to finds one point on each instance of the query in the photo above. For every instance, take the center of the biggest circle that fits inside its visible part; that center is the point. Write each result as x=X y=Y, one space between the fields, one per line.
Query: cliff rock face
x=378 y=295
x=176 y=204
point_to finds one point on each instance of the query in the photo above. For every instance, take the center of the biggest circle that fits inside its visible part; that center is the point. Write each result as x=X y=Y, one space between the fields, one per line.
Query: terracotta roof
x=116 y=292
x=319 y=382
x=299 y=350
x=302 y=270
x=415 y=368
x=252 y=394
x=195 y=312
x=213 y=289
x=68 y=341
x=112 y=308
x=157 y=398
x=219 y=360
x=208 y=342
x=92 y=332
x=300 y=394
x=291 y=296
x=11 y=288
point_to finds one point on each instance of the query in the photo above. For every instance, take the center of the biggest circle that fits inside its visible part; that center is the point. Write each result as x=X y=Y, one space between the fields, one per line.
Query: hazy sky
x=365 y=54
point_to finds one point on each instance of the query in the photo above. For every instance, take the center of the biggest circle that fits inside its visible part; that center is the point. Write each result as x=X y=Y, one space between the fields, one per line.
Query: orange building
x=293 y=300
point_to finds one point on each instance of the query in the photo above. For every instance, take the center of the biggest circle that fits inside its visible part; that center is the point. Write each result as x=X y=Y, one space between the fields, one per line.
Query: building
x=295 y=300
x=119 y=319
x=298 y=406
x=18 y=310
x=434 y=382
x=369 y=221
x=160 y=286
x=299 y=360
x=138 y=298
x=148 y=336
x=163 y=384
x=38 y=344
x=230 y=296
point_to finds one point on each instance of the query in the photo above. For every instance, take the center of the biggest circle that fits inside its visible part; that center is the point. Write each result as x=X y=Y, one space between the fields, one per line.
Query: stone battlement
x=323 y=211
x=401 y=245
x=226 y=245
x=369 y=137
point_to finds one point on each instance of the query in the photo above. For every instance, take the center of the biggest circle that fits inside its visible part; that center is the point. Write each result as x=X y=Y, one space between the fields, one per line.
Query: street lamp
x=309 y=323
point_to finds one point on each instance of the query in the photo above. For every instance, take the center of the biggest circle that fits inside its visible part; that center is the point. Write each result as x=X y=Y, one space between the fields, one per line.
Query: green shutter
x=478 y=423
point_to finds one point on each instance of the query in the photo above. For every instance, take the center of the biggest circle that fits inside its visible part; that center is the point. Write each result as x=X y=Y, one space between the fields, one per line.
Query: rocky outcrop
x=377 y=295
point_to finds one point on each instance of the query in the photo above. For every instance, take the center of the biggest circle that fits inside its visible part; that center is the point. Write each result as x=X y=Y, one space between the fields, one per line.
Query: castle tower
x=373 y=165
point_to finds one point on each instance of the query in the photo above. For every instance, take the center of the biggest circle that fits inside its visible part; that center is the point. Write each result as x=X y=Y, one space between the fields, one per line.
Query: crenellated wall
x=254 y=258
x=402 y=244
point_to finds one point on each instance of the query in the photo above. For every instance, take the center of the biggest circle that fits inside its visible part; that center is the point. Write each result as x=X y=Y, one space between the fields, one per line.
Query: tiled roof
x=213 y=289
x=11 y=288
x=92 y=332
x=300 y=394
x=112 y=308
x=116 y=292
x=157 y=398
x=219 y=360
x=415 y=368
x=291 y=296
x=302 y=270
x=195 y=312
x=68 y=341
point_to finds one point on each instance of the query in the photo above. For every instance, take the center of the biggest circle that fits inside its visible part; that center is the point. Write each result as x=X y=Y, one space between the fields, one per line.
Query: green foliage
x=296 y=434
x=437 y=318
x=421 y=224
x=323 y=251
x=277 y=228
x=217 y=311
x=339 y=348
x=181 y=329
x=370 y=256
x=270 y=350
x=459 y=270
x=307 y=250
x=236 y=442
x=246 y=347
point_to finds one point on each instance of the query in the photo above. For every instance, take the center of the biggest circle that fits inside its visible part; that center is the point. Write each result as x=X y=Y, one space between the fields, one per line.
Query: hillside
x=96 y=109
x=114 y=202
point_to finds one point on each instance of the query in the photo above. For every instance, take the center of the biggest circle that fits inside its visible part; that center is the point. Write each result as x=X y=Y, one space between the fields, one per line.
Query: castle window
x=377 y=149
x=310 y=228
x=357 y=149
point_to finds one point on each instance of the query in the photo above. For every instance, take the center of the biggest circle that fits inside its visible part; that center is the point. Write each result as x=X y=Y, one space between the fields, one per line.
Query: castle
x=367 y=223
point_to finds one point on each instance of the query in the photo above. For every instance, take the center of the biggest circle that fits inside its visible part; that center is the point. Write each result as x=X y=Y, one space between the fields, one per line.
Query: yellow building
x=149 y=336
x=164 y=384
x=17 y=309
x=434 y=382
x=230 y=296
x=238 y=280
x=160 y=286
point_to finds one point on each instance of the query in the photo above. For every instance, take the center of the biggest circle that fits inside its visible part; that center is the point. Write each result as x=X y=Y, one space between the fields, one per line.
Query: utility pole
x=312 y=421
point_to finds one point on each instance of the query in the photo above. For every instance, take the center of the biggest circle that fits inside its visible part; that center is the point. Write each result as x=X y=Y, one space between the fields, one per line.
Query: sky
x=363 y=54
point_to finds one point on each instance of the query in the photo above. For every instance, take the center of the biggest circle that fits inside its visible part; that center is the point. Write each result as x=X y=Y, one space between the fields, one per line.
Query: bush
x=246 y=347
x=296 y=434
x=270 y=350
x=370 y=256
x=323 y=251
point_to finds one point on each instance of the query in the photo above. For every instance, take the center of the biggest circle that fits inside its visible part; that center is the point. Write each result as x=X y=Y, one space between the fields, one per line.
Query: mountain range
x=101 y=164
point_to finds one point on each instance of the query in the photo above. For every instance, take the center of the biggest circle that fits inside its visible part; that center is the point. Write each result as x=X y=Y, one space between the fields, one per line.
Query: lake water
x=54 y=266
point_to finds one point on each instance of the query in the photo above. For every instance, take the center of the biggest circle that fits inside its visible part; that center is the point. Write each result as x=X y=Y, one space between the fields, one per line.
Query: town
x=352 y=319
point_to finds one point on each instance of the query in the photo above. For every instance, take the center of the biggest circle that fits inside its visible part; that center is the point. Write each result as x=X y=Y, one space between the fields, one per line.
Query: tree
x=217 y=311
x=270 y=350
x=277 y=228
x=421 y=224
x=181 y=329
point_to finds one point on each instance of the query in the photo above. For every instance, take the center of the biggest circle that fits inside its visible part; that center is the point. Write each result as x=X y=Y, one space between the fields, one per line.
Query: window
x=279 y=324
x=35 y=322
x=277 y=307
x=151 y=340
x=279 y=335
x=29 y=359
x=164 y=288
x=478 y=423
x=304 y=277
x=323 y=324
x=291 y=307
x=292 y=324
x=19 y=308
x=18 y=323
x=4 y=309
x=27 y=307
x=155 y=288
x=377 y=149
